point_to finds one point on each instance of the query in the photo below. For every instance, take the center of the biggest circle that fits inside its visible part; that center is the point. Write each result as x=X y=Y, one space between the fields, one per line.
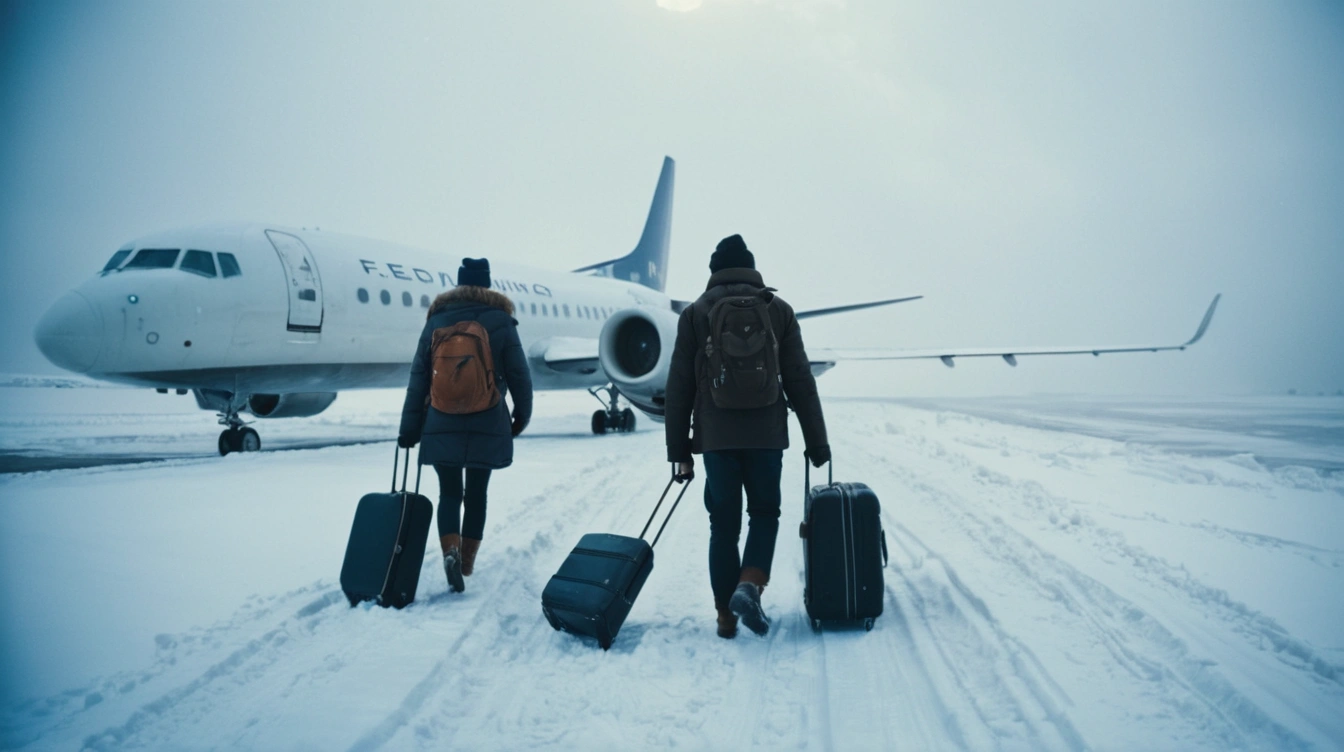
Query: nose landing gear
x=237 y=437
x=612 y=419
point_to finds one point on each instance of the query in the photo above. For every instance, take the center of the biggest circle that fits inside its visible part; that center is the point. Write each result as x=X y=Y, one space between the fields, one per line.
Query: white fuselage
x=309 y=311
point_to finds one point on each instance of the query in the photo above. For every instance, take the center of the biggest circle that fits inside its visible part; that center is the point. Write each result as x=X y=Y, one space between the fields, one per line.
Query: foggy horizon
x=1045 y=174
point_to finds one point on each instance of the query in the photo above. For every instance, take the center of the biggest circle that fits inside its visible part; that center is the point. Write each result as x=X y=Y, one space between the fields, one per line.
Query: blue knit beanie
x=474 y=272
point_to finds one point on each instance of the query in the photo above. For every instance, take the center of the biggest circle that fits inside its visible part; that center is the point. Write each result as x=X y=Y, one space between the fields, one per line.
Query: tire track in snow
x=60 y=712
x=502 y=605
x=266 y=643
x=1136 y=641
x=142 y=719
x=1011 y=695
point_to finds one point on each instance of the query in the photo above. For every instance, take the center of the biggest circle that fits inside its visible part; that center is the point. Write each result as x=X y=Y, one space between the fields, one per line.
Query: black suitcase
x=387 y=544
x=844 y=553
x=599 y=581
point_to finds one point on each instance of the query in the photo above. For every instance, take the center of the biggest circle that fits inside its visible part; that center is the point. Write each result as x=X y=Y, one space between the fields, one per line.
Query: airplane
x=275 y=321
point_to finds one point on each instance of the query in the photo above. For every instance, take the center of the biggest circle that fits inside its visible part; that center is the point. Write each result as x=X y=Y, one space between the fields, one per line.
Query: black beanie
x=474 y=272
x=731 y=253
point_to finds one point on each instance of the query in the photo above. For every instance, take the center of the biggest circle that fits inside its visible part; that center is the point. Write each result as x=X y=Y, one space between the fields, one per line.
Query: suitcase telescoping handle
x=807 y=475
x=396 y=462
x=674 y=479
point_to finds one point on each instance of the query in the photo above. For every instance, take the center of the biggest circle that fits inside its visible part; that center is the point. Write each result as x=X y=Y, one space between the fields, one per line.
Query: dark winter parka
x=690 y=408
x=484 y=439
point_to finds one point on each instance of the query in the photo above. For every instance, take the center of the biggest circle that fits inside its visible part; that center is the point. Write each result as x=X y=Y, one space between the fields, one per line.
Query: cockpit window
x=116 y=260
x=228 y=265
x=153 y=258
x=199 y=262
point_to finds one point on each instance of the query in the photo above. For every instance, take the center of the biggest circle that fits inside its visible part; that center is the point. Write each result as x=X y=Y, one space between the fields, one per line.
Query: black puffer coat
x=484 y=439
x=690 y=406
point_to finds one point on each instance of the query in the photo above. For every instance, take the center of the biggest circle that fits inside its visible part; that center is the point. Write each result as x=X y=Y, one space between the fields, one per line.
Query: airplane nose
x=70 y=333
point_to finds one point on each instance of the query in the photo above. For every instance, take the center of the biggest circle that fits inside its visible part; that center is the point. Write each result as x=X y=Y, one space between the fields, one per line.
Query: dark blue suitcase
x=598 y=582
x=387 y=544
x=844 y=553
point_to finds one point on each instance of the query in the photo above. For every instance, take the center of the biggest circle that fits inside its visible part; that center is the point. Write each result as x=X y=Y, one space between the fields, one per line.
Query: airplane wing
x=846 y=308
x=826 y=359
x=570 y=354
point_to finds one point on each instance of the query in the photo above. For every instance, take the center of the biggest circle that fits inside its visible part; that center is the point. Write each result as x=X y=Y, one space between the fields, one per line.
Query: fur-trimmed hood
x=471 y=294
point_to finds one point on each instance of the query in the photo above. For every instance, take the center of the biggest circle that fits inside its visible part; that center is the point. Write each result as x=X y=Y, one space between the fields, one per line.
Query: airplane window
x=363 y=295
x=543 y=309
x=534 y=309
x=424 y=301
x=566 y=310
x=407 y=300
x=228 y=265
x=116 y=260
x=154 y=258
x=386 y=297
x=308 y=294
x=199 y=262
x=555 y=310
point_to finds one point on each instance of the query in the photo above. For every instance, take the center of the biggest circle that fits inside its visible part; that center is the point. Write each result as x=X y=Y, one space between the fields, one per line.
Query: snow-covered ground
x=1057 y=586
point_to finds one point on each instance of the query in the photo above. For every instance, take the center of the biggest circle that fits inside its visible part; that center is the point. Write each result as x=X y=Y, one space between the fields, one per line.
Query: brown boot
x=450 y=541
x=452 y=561
x=469 y=548
x=727 y=623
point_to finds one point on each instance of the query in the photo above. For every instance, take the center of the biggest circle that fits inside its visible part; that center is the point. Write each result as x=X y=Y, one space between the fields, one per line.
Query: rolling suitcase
x=387 y=543
x=844 y=552
x=599 y=581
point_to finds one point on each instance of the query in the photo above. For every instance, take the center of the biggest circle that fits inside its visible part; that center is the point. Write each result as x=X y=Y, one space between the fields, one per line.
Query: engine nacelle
x=635 y=349
x=298 y=405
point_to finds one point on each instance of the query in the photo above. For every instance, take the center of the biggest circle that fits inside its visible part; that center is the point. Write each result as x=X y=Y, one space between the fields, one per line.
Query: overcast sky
x=1046 y=173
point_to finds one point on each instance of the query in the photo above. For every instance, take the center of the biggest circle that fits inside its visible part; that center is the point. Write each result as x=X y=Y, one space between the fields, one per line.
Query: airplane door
x=304 y=283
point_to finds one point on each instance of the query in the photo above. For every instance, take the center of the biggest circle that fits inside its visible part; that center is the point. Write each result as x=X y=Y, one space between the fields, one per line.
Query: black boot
x=746 y=601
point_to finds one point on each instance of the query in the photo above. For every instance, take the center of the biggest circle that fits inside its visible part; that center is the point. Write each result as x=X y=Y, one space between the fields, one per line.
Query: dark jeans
x=451 y=497
x=727 y=473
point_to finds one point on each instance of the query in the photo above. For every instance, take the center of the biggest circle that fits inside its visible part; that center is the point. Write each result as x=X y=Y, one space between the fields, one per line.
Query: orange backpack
x=463 y=370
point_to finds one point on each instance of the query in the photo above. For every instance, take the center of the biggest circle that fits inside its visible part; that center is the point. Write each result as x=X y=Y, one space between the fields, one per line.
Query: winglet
x=1204 y=325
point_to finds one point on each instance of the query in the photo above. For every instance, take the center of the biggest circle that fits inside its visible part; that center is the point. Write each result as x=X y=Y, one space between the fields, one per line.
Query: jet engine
x=635 y=349
x=297 y=405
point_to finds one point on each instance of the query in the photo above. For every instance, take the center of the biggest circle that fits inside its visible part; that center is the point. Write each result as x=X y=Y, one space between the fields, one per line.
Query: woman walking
x=468 y=359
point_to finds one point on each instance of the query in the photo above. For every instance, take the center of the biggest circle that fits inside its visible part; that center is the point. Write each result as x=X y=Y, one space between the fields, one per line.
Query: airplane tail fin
x=647 y=263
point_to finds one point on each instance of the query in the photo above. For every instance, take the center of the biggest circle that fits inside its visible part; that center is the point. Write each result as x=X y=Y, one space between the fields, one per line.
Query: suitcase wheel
x=868 y=624
x=816 y=625
x=550 y=619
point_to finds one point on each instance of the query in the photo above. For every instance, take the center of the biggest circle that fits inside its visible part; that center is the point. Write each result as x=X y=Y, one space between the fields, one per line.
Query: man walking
x=737 y=366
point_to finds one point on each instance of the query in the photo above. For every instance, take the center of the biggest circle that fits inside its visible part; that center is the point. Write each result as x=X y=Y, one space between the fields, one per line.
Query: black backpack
x=742 y=352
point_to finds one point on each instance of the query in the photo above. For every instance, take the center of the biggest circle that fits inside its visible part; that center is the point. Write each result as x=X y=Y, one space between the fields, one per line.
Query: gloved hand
x=819 y=455
x=406 y=442
x=518 y=426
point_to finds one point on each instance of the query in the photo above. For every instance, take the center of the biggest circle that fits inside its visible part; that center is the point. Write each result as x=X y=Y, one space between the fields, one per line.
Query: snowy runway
x=1046 y=590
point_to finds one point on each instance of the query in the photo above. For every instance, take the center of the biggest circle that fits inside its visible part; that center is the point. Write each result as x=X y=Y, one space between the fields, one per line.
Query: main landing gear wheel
x=613 y=419
x=239 y=440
